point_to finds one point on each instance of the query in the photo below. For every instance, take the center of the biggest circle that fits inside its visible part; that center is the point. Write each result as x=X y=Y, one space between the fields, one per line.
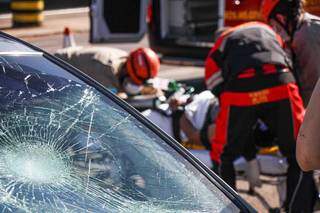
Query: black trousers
x=280 y=118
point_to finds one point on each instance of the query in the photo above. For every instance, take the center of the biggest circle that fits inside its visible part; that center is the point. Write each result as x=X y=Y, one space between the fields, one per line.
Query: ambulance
x=179 y=28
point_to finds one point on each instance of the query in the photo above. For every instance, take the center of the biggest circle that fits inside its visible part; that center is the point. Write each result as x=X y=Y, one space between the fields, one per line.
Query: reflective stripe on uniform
x=214 y=80
x=256 y=97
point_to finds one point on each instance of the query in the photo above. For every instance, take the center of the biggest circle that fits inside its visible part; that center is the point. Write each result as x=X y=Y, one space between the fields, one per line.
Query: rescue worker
x=141 y=65
x=301 y=33
x=249 y=71
x=115 y=68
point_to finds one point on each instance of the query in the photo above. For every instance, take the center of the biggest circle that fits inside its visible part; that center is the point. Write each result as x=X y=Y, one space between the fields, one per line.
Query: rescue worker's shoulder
x=223 y=36
x=249 y=25
x=308 y=30
x=310 y=18
x=310 y=24
x=242 y=28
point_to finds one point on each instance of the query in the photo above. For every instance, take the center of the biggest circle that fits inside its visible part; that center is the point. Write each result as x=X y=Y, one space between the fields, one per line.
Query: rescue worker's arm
x=191 y=132
x=132 y=89
x=194 y=135
x=308 y=142
x=213 y=72
x=150 y=90
x=211 y=130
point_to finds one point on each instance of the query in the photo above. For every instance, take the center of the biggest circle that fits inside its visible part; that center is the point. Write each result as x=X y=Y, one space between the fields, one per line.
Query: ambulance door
x=117 y=20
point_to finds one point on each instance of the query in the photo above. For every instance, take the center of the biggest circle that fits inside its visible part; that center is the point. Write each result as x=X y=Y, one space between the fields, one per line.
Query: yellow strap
x=189 y=145
x=26 y=5
x=28 y=18
x=269 y=150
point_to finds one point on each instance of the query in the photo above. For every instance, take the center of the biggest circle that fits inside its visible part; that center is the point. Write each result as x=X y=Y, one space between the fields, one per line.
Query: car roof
x=11 y=46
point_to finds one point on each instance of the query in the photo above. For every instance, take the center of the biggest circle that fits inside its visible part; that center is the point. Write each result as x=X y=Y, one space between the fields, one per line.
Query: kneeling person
x=115 y=68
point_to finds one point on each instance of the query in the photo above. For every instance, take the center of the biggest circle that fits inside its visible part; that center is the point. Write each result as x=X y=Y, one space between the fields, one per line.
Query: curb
x=50 y=13
x=42 y=34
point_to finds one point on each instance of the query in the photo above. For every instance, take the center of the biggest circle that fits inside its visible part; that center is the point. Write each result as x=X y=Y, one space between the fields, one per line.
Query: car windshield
x=66 y=147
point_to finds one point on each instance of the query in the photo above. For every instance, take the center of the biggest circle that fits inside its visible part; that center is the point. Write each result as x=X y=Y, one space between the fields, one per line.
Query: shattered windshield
x=65 y=147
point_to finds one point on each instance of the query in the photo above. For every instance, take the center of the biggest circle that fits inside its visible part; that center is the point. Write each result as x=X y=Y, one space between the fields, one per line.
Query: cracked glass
x=65 y=147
